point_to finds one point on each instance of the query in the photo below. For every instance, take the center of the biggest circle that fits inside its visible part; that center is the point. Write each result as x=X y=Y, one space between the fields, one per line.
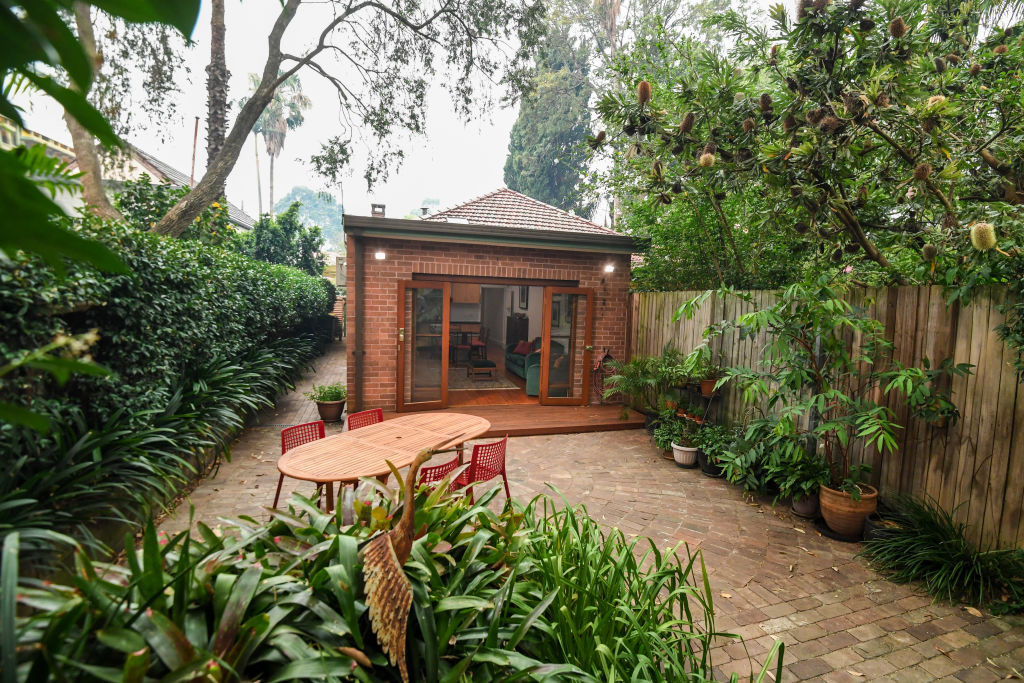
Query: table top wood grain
x=365 y=452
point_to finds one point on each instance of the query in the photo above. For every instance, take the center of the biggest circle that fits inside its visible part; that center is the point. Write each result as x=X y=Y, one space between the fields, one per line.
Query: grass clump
x=923 y=542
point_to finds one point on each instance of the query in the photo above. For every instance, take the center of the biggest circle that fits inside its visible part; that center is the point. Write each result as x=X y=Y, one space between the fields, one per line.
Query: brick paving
x=773 y=576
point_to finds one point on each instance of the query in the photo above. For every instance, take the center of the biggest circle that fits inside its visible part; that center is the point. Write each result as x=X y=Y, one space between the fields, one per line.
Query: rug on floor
x=457 y=379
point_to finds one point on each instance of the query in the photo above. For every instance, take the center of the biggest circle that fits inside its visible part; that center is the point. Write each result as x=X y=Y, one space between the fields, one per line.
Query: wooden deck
x=530 y=420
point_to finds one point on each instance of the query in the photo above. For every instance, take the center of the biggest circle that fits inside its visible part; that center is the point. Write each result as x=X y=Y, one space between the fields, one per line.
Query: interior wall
x=494 y=302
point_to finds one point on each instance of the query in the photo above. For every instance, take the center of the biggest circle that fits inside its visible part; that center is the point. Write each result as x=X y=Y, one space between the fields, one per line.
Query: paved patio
x=773 y=575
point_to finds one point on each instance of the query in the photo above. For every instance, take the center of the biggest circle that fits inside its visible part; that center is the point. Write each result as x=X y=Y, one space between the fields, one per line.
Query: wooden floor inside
x=529 y=420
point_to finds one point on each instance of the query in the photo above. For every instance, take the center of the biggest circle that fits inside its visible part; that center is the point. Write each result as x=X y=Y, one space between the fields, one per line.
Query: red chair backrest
x=365 y=418
x=431 y=475
x=300 y=434
x=488 y=460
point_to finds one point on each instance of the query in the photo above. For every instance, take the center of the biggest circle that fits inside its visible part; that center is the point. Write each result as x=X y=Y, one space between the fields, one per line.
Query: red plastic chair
x=432 y=475
x=487 y=462
x=296 y=436
x=365 y=418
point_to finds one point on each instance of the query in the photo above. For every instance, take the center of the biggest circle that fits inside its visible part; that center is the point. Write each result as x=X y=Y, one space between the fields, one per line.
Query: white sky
x=454 y=163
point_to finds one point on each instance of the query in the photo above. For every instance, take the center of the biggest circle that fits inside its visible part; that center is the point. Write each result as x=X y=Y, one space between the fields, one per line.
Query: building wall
x=377 y=359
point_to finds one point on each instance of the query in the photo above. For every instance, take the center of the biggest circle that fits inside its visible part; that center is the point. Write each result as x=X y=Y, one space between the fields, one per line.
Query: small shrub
x=924 y=543
x=327 y=392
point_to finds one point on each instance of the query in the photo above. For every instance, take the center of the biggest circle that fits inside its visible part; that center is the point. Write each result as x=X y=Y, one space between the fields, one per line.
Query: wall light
x=610 y=268
x=380 y=256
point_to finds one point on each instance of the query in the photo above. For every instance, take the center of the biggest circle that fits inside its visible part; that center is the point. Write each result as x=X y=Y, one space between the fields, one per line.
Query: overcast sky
x=454 y=163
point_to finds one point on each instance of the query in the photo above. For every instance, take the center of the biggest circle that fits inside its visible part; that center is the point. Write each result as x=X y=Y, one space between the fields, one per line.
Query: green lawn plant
x=542 y=593
x=813 y=390
x=923 y=542
x=673 y=429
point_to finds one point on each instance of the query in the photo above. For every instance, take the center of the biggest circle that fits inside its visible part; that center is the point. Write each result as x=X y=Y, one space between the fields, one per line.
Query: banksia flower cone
x=687 y=124
x=983 y=236
x=897 y=28
x=922 y=171
x=802 y=228
x=929 y=252
x=643 y=92
x=1000 y=49
x=975 y=69
x=789 y=124
x=707 y=160
x=940 y=65
x=953 y=58
x=749 y=125
x=765 y=101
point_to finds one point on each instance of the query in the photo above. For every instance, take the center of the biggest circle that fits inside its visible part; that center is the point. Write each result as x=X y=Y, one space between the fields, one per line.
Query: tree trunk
x=216 y=87
x=207 y=190
x=259 y=185
x=86 y=156
x=271 y=207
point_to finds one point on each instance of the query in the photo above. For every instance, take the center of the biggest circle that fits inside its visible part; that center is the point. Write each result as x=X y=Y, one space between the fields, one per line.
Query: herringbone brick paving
x=773 y=576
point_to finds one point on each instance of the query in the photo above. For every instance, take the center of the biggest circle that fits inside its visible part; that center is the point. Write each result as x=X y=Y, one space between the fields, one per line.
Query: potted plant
x=820 y=392
x=677 y=433
x=330 y=400
x=646 y=383
x=712 y=441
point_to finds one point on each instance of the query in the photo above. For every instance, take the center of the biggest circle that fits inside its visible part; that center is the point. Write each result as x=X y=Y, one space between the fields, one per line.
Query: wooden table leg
x=330 y=496
x=462 y=454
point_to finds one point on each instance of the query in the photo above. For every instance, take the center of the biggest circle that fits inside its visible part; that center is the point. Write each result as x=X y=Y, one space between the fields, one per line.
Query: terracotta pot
x=330 y=411
x=707 y=387
x=667 y=455
x=685 y=456
x=843 y=514
x=806 y=507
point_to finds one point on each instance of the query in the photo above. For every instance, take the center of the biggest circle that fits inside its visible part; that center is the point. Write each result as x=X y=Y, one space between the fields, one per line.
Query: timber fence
x=975 y=466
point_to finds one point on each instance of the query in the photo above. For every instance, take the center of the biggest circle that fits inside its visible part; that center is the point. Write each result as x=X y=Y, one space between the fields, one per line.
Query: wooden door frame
x=403 y=335
x=545 y=346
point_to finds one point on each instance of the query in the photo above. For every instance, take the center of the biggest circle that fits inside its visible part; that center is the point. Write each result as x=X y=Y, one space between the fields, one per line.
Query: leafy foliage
x=920 y=541
x=143 y=204
x=182 y=306
x=317 y=208
x=873 y=137
x=284 y=239
x=646 y=382
x=520 y=595
x=35 y=35
x=815 y=391
x=59 y=486
x=546 y=155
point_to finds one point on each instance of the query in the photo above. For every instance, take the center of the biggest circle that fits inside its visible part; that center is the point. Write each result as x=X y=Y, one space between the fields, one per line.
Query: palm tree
x=284 y=113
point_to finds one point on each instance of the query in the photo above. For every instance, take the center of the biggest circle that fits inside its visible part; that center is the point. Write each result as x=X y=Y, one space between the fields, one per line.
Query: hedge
x=182 y=305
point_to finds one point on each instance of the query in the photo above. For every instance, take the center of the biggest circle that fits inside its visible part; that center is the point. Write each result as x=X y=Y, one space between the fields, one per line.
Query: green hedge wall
x=183 y=305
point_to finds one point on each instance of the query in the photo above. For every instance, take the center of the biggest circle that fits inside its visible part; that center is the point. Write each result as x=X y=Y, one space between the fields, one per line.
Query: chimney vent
x=377 y=210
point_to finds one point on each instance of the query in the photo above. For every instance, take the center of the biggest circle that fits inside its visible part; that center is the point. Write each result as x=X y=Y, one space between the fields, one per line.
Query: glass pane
x=424 y=309
x=565 y=361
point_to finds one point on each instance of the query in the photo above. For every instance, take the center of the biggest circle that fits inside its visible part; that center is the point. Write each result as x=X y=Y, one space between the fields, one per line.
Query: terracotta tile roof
x=510 y=209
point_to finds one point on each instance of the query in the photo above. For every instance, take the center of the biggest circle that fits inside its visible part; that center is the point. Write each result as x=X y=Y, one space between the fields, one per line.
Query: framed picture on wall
x=524 y=297
x=556 y=313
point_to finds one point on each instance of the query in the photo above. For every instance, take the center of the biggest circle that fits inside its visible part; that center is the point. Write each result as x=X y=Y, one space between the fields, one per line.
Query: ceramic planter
x=707 y=387
x=806 y=507
x=330 y=411
x=843 y=514
x=685 y=456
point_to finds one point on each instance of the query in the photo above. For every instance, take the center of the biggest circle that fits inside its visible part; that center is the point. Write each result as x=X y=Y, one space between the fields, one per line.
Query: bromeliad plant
x=814 y=389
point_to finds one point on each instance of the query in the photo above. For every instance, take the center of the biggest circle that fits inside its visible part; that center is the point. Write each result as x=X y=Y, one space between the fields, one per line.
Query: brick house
x=502 y=299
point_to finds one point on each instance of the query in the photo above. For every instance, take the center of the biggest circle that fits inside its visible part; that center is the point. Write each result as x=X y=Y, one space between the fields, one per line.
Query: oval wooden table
x=365 y=452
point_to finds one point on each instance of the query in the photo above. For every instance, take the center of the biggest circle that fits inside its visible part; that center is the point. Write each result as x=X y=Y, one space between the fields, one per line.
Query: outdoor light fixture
x=380 y=255
x=610 y=268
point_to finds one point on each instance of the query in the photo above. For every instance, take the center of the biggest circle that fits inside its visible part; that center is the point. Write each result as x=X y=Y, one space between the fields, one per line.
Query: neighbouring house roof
x=510 y=208
x=500 y=217
x=166 y=173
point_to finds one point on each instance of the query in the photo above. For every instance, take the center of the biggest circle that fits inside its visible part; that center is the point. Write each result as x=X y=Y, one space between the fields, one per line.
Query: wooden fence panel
x=975 y=466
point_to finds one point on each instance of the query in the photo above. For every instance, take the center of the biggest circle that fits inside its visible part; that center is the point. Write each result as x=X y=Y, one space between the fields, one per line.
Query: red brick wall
x=405 y=257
